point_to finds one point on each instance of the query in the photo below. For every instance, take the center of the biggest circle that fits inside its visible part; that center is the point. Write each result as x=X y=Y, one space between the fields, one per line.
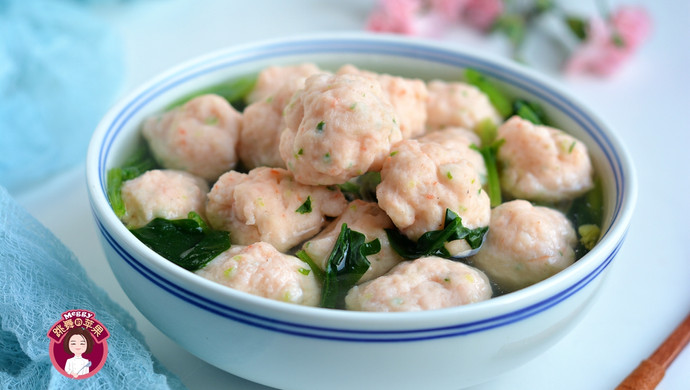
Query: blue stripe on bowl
x=360 y=46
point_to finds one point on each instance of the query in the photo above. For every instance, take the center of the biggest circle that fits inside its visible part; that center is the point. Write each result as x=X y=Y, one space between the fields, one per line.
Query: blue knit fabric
x=39 y=280
x=60 y=69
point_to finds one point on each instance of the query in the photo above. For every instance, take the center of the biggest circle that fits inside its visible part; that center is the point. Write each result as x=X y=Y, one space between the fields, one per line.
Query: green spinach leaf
x=527 y=110
x=432 y=243
x=318 y=272
x=489 y=154
x=497 y=98
x=363 y=187
x=141 y=161
x=185 y=242
x=346 y=265
x=234 y=91
x=585 y=213
x=530 y=111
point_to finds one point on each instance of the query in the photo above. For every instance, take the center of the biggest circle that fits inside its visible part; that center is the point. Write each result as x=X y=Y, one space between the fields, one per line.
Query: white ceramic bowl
x=294 y=347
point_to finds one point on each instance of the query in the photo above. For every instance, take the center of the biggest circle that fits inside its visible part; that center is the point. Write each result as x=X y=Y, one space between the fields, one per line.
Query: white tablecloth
x=648 y=288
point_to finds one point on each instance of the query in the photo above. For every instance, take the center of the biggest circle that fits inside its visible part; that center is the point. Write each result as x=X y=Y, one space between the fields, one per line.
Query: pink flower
x=408 y=17
x=610 y=44
x=450 y=10
x=633 y=24
x=482 y=14
x=395 y=16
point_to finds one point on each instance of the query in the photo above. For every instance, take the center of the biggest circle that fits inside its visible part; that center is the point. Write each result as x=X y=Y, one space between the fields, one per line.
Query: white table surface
x=648 y=288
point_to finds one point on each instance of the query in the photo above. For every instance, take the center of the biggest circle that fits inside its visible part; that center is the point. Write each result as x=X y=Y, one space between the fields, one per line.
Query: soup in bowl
x=328 y=327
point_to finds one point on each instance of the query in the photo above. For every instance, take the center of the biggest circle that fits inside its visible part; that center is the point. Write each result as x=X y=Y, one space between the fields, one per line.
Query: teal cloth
x=40 y=279
x=60 y=69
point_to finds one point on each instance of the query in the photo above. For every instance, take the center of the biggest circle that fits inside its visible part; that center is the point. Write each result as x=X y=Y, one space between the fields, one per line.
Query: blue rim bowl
x=457 y=346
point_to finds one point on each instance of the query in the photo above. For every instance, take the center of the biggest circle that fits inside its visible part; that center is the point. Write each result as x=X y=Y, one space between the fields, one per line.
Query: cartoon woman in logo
x=78 y=341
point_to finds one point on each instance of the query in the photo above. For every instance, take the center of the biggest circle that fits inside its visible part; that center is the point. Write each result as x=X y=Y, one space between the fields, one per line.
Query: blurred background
x=64 y=62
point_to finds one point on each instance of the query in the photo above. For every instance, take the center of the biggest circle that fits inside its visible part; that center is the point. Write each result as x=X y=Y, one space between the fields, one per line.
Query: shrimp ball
x=259 y=269
x=457 y=104
x=270 y=79
x=426 y=283
x=259 y=138
x=525 y=244
x=460 y=140
x=338 y=127
x=419 y=181
x=199 y=137
x=165 y=194
x=541 y=163
x=408 y=97
x=366 y=218
x=267 y=204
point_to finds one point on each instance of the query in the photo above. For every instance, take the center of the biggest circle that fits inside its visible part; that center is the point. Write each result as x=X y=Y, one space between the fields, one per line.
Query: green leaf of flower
x=578 y=26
